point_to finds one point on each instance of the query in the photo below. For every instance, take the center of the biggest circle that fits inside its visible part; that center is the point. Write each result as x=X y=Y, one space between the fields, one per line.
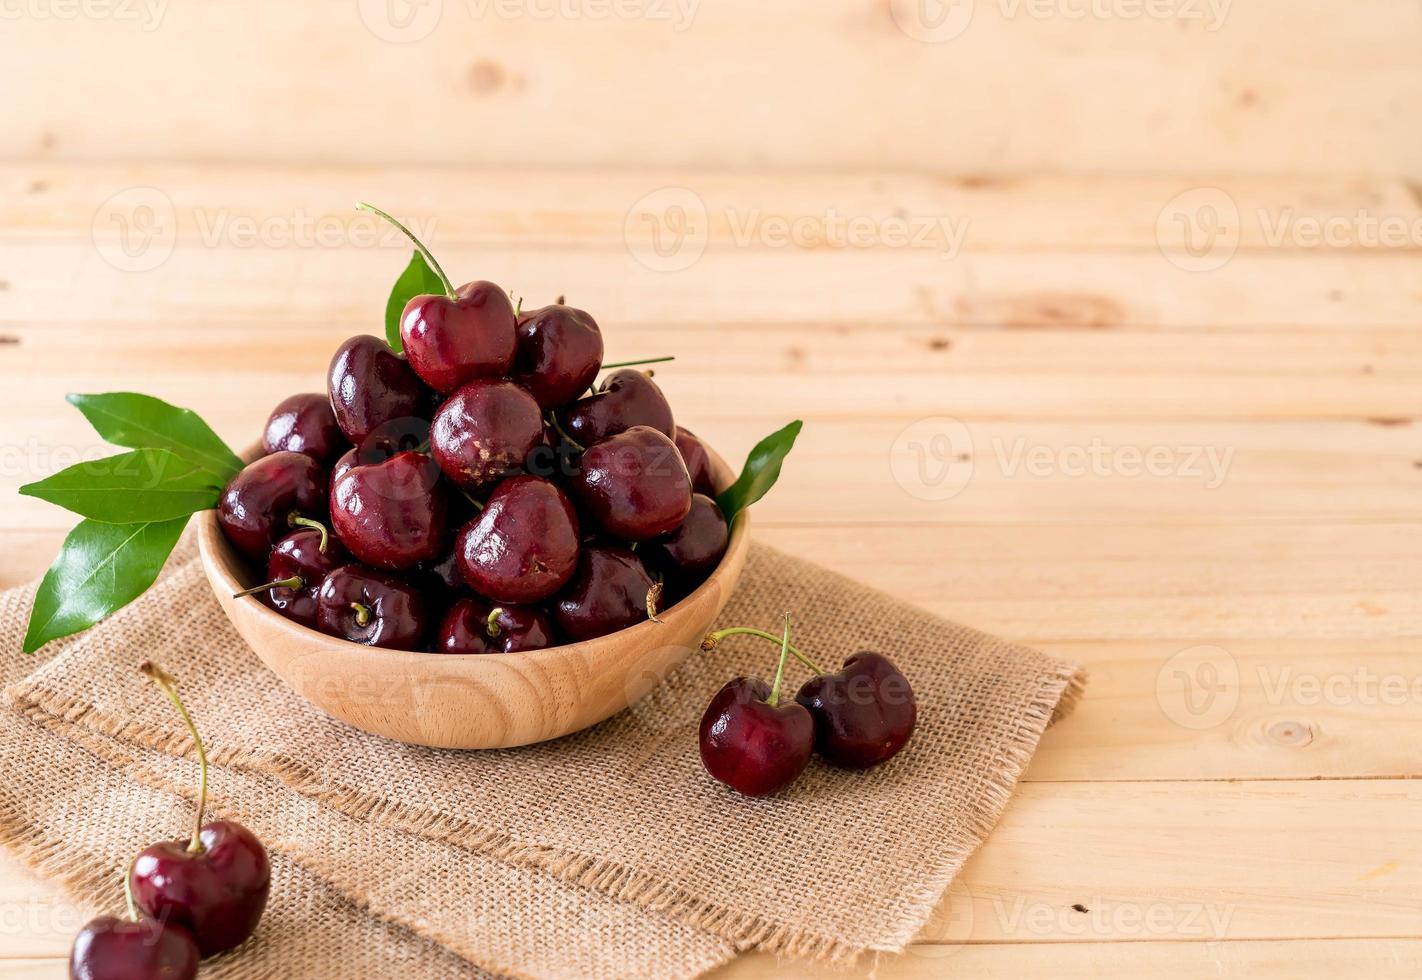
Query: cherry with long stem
x=168 y=686
x=711 y=639
x=419 y=245
x=645 y=360
x=774 y=698
x=296 y=520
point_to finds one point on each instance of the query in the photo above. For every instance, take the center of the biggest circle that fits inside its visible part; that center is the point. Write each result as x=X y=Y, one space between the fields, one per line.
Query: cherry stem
x=128 y=890
x=168 y=686
x=296 y=520
x=780 y=668
x=478 y=505
x=553 y=418
x=491 y=625
x=646 y=360
x=444 y=279
x=295 y=582
x=362 y=614
x=713 y=638
x=654 y=596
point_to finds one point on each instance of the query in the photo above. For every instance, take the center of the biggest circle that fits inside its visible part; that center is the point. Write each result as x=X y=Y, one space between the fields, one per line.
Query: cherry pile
x=476 y=492
x=756 y=743
x=187 y=899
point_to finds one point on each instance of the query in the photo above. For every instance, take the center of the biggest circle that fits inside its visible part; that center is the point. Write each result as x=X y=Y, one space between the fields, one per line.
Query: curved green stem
x=362 y=614
x=444 y=279
x=780 y=668
x=295 y=582
x=128 y=890
x=713 y=638
x=296 y=520
x=168 y=686
x=490 y=626
x=553 y=418
x=645 y=360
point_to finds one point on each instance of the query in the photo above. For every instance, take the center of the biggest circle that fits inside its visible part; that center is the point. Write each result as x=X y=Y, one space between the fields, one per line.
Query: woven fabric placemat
x=838 y=864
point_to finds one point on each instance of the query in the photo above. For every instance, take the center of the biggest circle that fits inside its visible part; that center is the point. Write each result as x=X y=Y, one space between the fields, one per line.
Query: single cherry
x=393 y=514
x=475 y=626
x=256 y=506
x=624 y=399
x=864 y=713
x=695 y=547
x=697 y=460
x=370 y=384
x=524 y=546
x=559 y=354
x=305 y=424
x=753 y=741
x=367 y=606
x=610 y=591
x=634 y=484
x=215 y=884
x=462 y=335
x=110 y=948
x=485 y=431
x=298 y=564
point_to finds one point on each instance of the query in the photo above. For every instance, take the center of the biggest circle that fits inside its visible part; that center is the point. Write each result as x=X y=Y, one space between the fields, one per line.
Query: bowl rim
x=221 y=559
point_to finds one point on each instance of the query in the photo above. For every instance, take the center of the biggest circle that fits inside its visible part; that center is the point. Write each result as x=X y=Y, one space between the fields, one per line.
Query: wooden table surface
x=1192 y=463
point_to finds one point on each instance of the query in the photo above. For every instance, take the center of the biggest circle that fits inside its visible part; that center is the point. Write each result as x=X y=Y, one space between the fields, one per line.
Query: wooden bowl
x=471 y=701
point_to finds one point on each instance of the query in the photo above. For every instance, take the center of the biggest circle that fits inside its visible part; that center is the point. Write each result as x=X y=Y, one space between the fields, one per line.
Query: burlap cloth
x=606 y=853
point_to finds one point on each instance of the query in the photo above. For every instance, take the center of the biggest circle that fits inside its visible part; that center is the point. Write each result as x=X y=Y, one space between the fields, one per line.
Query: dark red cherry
x=450 y=342
x=485 y=431
x=607 y=593
x=695 y=547
x=750 y=745
x=369 y=384
x=368 y=606
x=394 y=514
x=559 y=353
x=217 y=892
x=305 y=424
x=406 y=434
x=256 y=506
x=864 y=714
x=110 y=948
x=299 y=564
x=625 y=398
x=524 y=546
x=477 y=626
x=697 y=460
x=633 y=484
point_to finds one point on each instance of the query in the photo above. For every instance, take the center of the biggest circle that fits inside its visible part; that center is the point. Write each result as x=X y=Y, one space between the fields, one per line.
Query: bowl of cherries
x=480 y=535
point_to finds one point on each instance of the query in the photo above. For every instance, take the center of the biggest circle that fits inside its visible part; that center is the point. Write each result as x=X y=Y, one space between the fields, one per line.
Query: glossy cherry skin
x=607 y=593
x=750 y=746
x=633 y=484
x=697 y=460
x=368 y=606
x=559 y=354
x=625 y=398
x=256 y=505
x=466 y=628
x=369 y=384
x=394 y=514
x=694 y=548
x=485 y=431
x=218 y=893
x=110 y=948
x=305 y=424
x=299 y=555
x=864 y=714
x=450 y=342
x=524 y=546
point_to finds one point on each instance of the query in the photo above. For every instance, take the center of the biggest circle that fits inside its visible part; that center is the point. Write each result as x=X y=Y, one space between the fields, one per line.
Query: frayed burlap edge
x=1056 y=697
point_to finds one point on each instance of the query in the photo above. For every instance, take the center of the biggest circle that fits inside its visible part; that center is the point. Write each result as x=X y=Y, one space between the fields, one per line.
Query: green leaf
x=100 y=569
x=418 y=279
x=761 y=471
x=141 y=486
x=144 y=422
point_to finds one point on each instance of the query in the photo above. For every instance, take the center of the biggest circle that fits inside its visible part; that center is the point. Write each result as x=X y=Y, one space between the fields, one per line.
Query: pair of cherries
x=756 y=742
x=187 y=900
